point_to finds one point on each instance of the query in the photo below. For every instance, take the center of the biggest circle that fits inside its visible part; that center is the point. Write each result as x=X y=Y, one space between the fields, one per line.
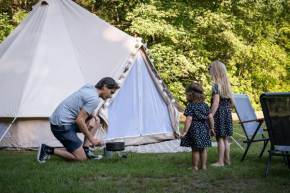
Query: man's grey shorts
x=67 y=135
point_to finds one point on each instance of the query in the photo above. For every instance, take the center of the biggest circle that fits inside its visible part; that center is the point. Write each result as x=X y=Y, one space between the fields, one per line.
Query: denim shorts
x=67 y=135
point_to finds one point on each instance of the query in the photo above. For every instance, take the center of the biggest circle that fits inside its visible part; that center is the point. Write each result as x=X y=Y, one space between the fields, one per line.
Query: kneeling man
x=76 y=114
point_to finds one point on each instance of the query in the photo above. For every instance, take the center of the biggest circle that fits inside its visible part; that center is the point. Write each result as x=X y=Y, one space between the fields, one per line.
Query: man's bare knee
x=82 y=159
x=97 y=123
x=80 y=155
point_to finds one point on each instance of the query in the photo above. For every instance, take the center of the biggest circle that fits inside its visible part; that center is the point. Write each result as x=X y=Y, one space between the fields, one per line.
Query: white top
x=86 y=98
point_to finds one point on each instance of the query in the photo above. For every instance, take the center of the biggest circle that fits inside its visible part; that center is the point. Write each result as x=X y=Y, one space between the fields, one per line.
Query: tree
x=250 y=37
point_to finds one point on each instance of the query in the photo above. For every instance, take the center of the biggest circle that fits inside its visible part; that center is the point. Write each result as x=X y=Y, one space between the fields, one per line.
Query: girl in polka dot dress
x=221 y=102
x=198 y=125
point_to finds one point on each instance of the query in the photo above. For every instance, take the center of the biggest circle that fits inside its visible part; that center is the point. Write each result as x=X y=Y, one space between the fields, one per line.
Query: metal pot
x=115 y=146
x=108 y=154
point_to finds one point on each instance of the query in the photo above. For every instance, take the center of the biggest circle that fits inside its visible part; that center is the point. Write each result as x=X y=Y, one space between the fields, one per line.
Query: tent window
x=3 y=128
x=44 y=3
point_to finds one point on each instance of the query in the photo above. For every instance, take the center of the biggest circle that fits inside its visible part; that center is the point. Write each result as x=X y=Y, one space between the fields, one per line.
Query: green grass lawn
x=166 y=172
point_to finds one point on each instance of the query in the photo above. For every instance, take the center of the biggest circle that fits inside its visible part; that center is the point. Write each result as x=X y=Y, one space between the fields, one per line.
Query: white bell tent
x=56 y=50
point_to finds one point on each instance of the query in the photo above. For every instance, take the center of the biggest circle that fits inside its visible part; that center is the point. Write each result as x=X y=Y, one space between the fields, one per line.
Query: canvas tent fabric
x=142 y=106
x=56 y=50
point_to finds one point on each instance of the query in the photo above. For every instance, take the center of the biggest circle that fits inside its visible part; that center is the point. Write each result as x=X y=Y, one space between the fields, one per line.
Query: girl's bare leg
x=195 y=159
x=227 y=151
x=203 y=158
x=221 y=152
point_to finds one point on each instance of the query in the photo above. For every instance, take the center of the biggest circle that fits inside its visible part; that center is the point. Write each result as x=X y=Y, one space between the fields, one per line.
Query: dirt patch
x=87 y=179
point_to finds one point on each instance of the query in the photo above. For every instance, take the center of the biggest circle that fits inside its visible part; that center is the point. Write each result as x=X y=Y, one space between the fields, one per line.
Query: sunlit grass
x=164 y=172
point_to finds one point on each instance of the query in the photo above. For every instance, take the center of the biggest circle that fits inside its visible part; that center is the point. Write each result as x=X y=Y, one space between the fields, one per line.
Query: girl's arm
x=211 y=124
x=215 y=103
x=232 y=102
x=186 y=126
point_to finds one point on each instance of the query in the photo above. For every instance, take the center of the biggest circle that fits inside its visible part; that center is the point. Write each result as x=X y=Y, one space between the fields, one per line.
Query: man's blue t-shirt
x=86 y=98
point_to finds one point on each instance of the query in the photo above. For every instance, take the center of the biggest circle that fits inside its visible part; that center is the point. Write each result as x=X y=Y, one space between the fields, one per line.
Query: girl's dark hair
x=110 y=82
x=194 y=92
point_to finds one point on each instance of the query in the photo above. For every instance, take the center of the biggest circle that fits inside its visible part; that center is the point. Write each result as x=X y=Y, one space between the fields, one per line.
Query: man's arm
x=81 y=122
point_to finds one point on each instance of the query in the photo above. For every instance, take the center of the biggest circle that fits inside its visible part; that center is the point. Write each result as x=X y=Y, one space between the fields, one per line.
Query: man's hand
x=97 y=142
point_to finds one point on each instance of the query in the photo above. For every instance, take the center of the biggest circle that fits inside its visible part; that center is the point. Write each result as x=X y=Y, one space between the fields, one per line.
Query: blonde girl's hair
x=218 y=73
x=194 y=92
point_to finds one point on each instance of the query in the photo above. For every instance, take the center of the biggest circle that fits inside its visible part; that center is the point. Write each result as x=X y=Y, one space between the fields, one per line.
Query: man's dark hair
x=110 y=82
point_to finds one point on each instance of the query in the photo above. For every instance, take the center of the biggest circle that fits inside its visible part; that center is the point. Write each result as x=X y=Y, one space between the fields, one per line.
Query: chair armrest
x=253 y=120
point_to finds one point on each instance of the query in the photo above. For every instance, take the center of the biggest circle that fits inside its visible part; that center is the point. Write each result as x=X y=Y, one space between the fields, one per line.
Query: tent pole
x=237 y=143
x=240 y=135
x=8 y=129
x=140 y=95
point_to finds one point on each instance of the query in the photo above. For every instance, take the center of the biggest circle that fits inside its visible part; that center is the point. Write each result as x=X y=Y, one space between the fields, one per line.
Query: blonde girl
x=198 y=126
x=221 y=102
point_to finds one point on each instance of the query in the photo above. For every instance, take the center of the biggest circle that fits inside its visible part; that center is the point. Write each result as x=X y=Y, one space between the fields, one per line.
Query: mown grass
x=166 y=172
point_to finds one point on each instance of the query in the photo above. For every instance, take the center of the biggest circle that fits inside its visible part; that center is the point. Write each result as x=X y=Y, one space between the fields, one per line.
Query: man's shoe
x=41 y=154
x=47 y=156
x=90 y=155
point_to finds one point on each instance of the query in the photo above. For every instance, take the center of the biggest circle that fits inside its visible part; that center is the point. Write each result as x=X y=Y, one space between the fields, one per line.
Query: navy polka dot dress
x=198 y=135
x=223 y=122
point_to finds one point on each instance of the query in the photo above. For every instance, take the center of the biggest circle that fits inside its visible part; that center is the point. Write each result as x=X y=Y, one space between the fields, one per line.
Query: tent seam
x=31 y=67
x=73 y=46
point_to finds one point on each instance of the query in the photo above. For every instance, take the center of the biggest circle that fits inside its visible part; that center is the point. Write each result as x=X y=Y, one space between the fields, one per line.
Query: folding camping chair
x=276 y=109
x=250 y=124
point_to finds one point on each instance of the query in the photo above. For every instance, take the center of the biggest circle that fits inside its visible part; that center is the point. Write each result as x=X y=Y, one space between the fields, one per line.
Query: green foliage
x=184 y=37
x=88 y=4
x=14 y=6
x=284 y=37
x=252 y=38
x=19 y=16
x=12 y=12
x=115 y=12
x=5 y=26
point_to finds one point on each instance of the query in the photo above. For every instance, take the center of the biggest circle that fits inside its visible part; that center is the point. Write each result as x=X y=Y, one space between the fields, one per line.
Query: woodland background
x=251 y=37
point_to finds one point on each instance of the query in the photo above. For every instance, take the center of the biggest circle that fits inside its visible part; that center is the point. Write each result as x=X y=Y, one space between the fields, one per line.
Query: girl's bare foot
x=217 y=164
x=228 y=163
x=203 y=168
x=192 y=168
